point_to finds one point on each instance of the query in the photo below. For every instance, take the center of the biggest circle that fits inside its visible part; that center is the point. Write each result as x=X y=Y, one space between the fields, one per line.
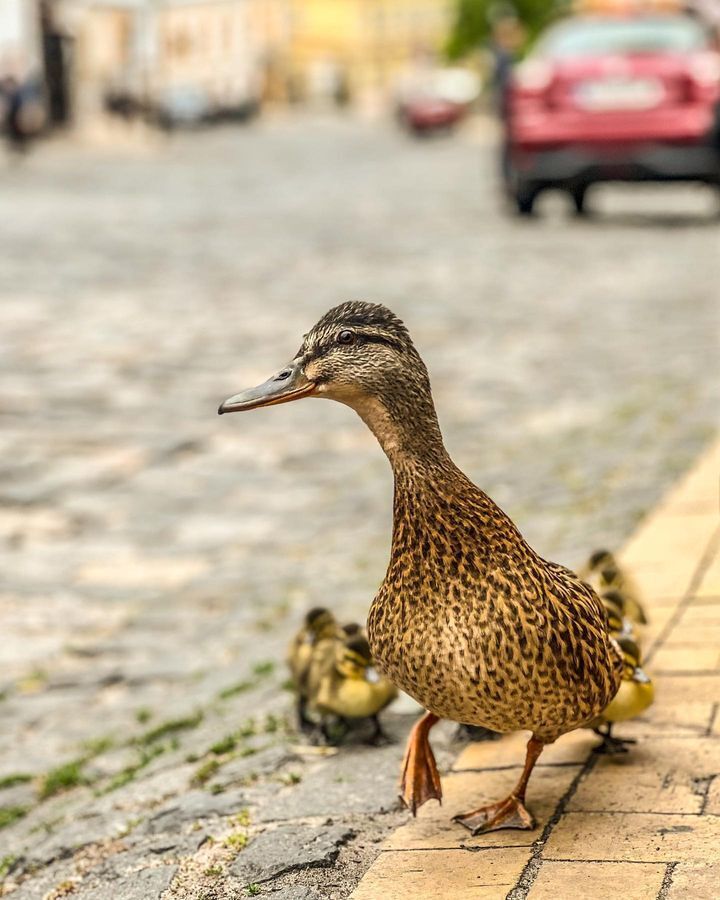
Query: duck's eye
x=345 y=337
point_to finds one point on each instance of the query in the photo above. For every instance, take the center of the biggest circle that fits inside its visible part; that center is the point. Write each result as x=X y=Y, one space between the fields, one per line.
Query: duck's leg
x=420 y=779
x=610 y=744
x=305 y=724
x=510 y=812
x=378 y=738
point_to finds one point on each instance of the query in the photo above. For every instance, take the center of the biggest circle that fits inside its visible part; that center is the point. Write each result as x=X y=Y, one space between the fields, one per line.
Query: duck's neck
x=408 y=431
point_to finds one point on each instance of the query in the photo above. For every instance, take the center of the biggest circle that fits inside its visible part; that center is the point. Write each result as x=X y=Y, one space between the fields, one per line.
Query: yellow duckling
x=635 y=695
x=319 y=628
x=619 y=624
x=604 y=573
x=344 y=683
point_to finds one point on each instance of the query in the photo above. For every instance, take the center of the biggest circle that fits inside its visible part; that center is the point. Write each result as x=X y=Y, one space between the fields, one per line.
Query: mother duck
x=469 y=620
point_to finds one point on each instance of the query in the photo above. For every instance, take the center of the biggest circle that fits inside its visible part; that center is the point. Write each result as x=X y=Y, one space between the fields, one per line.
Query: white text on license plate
x=634 y=93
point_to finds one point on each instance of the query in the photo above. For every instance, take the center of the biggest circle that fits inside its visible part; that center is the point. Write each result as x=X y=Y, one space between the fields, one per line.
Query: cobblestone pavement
x=157 y=558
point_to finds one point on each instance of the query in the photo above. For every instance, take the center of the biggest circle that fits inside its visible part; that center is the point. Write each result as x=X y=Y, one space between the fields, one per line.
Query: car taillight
x=704 y=72
x=534 y=76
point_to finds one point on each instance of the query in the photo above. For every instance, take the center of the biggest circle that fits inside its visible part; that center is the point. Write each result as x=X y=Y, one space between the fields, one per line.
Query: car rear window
x=597 y=37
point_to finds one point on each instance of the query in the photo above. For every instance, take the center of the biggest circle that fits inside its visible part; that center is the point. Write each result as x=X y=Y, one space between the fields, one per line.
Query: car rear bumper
x=534 y=130
x=652 y=162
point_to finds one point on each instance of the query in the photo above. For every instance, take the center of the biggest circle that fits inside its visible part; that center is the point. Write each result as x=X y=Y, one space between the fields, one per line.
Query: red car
x=613 y=98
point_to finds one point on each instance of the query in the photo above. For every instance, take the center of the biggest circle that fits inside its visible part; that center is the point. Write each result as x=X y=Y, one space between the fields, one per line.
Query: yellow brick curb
x=640 y=826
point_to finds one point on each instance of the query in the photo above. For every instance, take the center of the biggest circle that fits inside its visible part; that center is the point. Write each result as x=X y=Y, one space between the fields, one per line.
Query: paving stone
x=634 y=836
x=191 y=807
x=297 y=892
x=698 y=881
x=632 y=881
x=700 y=654
x=510 y=750
x=670 y=720
x=287 y=848
x=144 y=884
x=361 y=780
x=655 y=776
x=466 y=790
x=710 y=584
x=462 y=875
x=676 y=538
x=676 y=690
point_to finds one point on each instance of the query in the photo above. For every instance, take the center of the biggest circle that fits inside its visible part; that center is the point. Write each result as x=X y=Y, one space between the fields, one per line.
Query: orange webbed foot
x=420 y=779
x=508 y=813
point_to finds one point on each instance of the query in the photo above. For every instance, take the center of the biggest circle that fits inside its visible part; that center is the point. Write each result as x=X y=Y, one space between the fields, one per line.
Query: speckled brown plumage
x=474 y=625
x=469 y=620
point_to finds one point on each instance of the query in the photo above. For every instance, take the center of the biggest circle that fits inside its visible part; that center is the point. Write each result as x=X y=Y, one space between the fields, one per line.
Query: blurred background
x=186 y=187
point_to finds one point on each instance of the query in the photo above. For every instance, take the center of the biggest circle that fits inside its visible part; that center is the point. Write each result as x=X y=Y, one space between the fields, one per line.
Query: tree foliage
x=474 y=20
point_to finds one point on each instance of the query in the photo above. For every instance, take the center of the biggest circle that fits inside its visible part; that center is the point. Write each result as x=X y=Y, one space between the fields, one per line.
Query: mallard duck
x=319 y=627
x=469 y=620
x=346 y=684
x=604 y=573
x=635 y=695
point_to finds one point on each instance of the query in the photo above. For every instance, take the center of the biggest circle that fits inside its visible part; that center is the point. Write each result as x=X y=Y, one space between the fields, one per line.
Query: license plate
x=625 y=93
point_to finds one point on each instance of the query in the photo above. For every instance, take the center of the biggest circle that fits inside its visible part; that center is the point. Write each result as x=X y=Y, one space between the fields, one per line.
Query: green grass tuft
x=263 y=669
x=9 y=781
x=6 y=864
x=205 y=772
x=63 y=778
x=235 y=689
x=171 y=727
x=129 y=772
x=225 y=745
x=97 y=746
x=236 y=841
x=253 y=890
x=10 y=814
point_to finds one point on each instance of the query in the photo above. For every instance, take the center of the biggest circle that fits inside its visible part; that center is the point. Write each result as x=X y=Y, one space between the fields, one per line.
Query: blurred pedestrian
x=12 y=114
x=22 y=112
x=506 y=42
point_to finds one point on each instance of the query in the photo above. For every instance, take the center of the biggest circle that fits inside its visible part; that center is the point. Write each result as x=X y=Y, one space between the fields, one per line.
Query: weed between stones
x=63 y=778
x=172 y=726
x=16 y=778
x=10 y=814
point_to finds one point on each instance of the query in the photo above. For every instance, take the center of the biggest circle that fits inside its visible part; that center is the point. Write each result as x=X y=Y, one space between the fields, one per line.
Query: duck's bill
x=640 y=677
x=289 y=384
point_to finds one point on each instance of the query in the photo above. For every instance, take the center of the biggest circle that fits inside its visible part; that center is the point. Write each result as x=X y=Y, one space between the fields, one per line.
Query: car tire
x=579 y=196
x=525 y=197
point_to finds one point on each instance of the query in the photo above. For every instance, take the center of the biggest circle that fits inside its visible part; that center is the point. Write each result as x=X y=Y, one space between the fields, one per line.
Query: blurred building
x=351 y=48
x=175 y=58
x=187 y=60
x=19 y=38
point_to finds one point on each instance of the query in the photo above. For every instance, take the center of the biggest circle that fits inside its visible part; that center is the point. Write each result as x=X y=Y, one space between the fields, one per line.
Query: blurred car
x=438 y=100
x=613 y=97
x=182 y=106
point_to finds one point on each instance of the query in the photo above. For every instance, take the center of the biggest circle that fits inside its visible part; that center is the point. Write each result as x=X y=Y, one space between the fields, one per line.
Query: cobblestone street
x=157 y=558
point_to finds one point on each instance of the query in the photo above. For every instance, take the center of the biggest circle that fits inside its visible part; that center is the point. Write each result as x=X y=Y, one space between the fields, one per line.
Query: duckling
x=346 y=684
x=469 y=620
x=618 y=623
x=319 y=627
x=353 y=629
x=635 y=695
x=604 y=573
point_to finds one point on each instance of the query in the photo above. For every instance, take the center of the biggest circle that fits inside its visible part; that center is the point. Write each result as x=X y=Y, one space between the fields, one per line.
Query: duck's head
x=601 y=559
x=359 y=354
x=354 y=658
x=320 y=623
x=632 y=661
